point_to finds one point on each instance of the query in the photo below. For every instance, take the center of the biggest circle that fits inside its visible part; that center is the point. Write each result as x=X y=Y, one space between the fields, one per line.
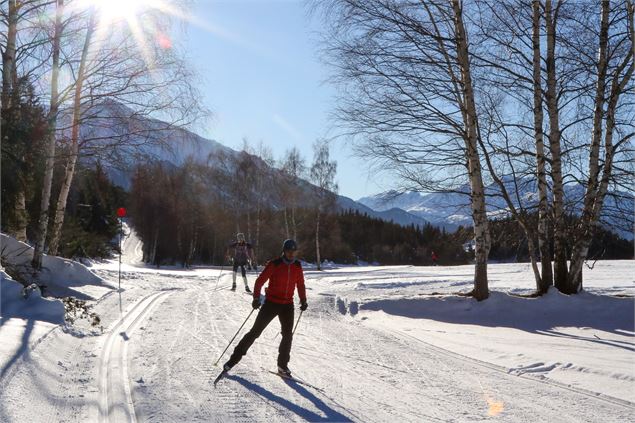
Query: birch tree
x=614 y=71
x=69 y=172
x=546 y=278
x=9 y=83
x=122 y=81
x=553 y=109
x=264 y=180
x=408 y=97
x=322 y=172
x=509 y=69
x=47 y=181
x=293 y=168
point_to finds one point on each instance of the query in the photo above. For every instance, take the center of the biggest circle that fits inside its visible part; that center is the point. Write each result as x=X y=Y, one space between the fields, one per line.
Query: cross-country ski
x=294 y=379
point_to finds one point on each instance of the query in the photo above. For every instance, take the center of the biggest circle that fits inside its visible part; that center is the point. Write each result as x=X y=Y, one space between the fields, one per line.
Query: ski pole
x=237 y=332
x=298 y=322
x=219 y=274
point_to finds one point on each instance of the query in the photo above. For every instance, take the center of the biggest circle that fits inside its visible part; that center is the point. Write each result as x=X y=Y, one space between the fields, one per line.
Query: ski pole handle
x=237 y=332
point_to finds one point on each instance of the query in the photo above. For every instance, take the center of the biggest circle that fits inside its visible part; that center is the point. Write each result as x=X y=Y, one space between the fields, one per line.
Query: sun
x=111 y=11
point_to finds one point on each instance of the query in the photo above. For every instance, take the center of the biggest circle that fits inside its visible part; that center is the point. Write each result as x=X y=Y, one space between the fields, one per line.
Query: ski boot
x=226 y=368
x=284 y=372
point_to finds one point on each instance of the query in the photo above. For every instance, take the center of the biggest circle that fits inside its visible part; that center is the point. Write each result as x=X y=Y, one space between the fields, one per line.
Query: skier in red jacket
x=284 y=275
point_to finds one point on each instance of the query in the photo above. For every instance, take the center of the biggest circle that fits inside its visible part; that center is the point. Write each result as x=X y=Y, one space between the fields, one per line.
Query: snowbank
x=585 y=341
x=61 y=276
x=34 y=307
x=553 y=310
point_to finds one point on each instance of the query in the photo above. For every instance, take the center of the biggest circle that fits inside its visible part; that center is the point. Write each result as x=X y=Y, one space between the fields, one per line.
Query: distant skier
x=435 y=258
x=284 y=275
x=243 y=253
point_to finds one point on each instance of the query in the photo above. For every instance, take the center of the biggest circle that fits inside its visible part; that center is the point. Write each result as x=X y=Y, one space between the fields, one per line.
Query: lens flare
x=494 y=407
x=164 y=41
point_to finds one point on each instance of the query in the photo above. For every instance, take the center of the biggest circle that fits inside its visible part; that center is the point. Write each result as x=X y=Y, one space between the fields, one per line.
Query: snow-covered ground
x=376 y=344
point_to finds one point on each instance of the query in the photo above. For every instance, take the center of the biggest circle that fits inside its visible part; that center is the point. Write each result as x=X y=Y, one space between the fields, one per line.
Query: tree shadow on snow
x=43 y=378
x=22 y=349
x=330 y=415
x=546 y=315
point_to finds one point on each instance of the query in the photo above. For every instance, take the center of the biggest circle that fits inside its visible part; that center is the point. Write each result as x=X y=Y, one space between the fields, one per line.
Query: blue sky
x=262 y=79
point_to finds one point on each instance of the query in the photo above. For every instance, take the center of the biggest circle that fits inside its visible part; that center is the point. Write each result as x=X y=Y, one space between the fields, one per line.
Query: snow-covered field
x=376 y=344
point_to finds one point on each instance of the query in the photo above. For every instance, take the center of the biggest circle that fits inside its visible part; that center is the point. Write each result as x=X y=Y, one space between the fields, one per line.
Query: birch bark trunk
x=481 y=230
x=596 y=187
x=546 y=277
x=560 y=253
x=69 y=173
x=50 y=150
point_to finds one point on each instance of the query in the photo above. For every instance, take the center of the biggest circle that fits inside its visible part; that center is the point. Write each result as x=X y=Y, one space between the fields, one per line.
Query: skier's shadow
x=330 y=415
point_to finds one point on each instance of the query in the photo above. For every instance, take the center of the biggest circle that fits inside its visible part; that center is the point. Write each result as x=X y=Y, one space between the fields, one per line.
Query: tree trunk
x=294 y=227
x=8 y=56
x=50 y=150
x=560 y=253
x=179 y=242
x=531 y=246
x=192 y=249
x=286 y=223
x=9 y=75
x=481 y=230
x=74 y=153
x=518 y=216
x=249 y=226
x=317 y=242
x=153 y=250
x=257 y=240
x=18 y=230
x=584 y=229
x=596 y=188
x=546 y=278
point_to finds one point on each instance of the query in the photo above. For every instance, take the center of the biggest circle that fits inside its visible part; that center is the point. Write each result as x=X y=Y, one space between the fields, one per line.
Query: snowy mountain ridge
x=140 y=138
x=453 y=208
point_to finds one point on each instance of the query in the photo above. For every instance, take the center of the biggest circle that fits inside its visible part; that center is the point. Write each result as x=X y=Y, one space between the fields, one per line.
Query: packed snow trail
x=131 y=247
x=114 y=382
x=163 y=333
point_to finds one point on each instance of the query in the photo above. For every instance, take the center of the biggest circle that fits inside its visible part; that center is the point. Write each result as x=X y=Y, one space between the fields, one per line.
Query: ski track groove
x=233 y=406
x=127 y=322
x=59 y=403
x=355 y=347
x=370 y=346
x=315 y=374
x=165 y=367
x=6 y=380
x=253 y=353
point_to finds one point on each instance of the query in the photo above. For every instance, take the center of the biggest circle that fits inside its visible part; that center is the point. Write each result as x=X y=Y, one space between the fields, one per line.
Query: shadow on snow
x=330 y=415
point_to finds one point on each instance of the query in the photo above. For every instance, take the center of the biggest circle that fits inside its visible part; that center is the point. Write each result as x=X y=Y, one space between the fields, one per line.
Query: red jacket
x=283 y=277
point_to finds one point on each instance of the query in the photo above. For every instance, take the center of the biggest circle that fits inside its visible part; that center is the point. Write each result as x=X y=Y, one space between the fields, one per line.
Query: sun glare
x=115 y=10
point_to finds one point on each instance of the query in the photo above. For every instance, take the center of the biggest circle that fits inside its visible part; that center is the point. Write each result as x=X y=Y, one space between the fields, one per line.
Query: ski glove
x=255 y=303
x=304 y=306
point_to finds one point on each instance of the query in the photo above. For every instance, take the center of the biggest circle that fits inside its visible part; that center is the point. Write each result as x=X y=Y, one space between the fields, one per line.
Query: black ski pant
x=267 y=313
x=242 y=268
